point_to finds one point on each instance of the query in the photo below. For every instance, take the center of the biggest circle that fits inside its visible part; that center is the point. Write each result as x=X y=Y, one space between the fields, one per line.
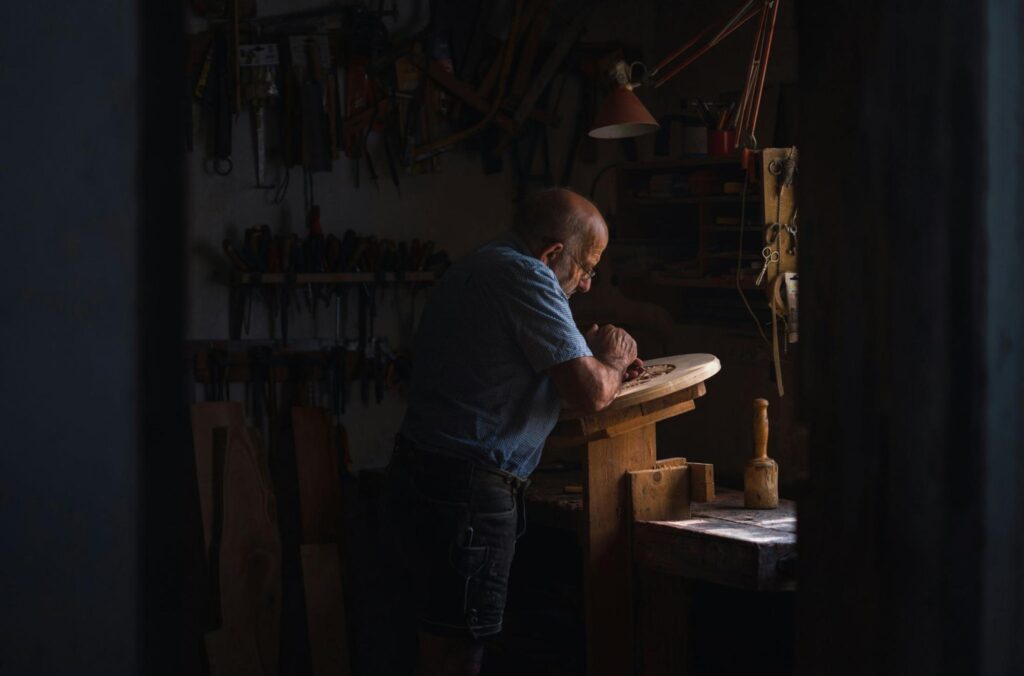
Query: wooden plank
x=728 y=506
x=723 y=543
x=205 y=417
x=325 y=610
x=316 y=461
x=660 y=494
x=648 y=419
x=605 y=425
x=232 y=653
x=702 y=482
x=612 y=417
x=250 y=549
x=670 y=462
x=779 y=207
x=607 y=561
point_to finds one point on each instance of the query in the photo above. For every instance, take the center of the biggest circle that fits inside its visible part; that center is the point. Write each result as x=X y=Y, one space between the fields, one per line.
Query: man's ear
x=551 y=252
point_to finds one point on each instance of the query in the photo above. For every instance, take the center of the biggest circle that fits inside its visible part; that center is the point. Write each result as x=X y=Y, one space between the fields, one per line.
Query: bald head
x=566 y=232
x=560 y=215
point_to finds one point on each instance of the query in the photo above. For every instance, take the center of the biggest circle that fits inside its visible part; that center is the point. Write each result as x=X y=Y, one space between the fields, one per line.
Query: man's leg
x=463 y=528
x=449 y=656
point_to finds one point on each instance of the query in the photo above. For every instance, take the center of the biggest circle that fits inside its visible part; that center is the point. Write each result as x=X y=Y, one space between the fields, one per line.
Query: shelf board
x=706 y=199
x=645 y=241
x=663 y=279
x=758 y=229
x=683 y=162
x=751 y=256
x=331 y=278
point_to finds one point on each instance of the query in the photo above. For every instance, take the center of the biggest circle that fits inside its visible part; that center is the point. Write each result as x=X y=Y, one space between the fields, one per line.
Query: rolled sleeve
x=541 y=319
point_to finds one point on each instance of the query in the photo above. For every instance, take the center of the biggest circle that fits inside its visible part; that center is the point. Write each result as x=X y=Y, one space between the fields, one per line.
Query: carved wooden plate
x=667 y=375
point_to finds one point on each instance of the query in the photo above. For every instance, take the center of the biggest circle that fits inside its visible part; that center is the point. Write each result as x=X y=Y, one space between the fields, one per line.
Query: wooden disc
x=667 y=375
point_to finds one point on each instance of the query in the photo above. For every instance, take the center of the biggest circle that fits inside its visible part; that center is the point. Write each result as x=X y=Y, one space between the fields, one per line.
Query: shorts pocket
x=467 y=560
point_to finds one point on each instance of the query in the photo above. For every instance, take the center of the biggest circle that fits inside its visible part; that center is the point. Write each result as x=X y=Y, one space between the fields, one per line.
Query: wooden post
x=607 y=569
x=614 y=442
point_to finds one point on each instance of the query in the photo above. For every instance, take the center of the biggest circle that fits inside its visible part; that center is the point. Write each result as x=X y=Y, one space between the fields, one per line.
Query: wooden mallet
x=761 y=477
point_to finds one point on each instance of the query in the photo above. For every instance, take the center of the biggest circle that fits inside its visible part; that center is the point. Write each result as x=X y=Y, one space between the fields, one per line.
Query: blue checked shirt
x=494 y=324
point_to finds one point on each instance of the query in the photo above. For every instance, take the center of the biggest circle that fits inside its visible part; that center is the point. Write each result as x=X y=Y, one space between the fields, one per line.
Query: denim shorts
x=457 y=523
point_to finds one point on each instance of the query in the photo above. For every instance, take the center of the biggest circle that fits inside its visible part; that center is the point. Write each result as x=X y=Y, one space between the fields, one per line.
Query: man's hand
x=613 y=347
x=633 y=371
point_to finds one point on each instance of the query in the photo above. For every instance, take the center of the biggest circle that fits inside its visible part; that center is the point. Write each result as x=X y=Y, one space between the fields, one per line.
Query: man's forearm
x=591 y=383
x=587 y=383
x=607 y=381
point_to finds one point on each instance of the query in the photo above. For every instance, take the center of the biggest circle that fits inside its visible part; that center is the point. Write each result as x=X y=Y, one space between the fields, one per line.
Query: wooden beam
x=250 y=548
x=206 y=417
x=608 y=571
x=325 y=610
x=317 y=465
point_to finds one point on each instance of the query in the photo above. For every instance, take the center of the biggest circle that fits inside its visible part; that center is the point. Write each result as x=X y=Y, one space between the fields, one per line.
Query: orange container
x=721 y=141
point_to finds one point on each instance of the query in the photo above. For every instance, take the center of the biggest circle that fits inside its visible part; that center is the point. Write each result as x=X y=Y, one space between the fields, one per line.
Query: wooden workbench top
x=721 y=542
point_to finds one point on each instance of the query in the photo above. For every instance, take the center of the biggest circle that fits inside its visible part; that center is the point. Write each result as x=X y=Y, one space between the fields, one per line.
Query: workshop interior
x=812 y=234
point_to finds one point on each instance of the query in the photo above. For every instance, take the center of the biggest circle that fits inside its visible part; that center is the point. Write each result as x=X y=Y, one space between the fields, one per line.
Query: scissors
x=770 y=255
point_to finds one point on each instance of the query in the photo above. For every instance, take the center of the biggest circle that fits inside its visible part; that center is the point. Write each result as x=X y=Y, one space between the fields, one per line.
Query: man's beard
x=563 y=270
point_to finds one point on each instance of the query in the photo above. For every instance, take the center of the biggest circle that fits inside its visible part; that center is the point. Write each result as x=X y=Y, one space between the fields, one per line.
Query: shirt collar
x=517 y=242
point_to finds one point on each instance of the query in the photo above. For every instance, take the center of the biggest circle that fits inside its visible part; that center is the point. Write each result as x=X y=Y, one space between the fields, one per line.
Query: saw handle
x=761 y=429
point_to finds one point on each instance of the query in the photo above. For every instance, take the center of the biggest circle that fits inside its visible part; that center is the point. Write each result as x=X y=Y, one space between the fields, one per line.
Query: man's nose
x=584 y=285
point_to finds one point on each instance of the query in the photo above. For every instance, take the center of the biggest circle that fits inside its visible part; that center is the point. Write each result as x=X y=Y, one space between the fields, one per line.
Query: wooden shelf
x=712 y=249
x=332 y=278
x=751 y=256
x=706 y=199
x=683 y=162
x=664 y=279
x=644 y=241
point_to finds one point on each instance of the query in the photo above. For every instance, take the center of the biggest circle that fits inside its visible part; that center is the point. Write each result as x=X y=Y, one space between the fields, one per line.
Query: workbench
x=639 y=520
x=721 y=542
x=722 y=554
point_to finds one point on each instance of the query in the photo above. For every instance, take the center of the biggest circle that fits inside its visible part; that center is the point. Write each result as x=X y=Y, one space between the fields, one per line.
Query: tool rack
x=242 y=282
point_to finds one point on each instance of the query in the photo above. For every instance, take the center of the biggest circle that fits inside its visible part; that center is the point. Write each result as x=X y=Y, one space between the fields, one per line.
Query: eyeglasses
x=588 y=273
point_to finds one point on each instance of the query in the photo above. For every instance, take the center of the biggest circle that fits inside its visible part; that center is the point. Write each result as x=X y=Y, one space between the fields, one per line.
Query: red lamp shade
x=622 y=116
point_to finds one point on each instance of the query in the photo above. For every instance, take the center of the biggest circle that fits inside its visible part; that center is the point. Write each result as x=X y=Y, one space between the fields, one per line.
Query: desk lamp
x=622 y=115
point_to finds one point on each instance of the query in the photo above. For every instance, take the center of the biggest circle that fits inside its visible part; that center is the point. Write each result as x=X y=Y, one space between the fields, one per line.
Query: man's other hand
x=613 y=346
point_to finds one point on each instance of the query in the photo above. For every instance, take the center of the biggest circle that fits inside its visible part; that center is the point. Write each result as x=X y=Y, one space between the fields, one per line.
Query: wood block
x=232 y=653
x=669 y=462
x=702 y=482
x=325 y=610
x=316 y=461
x=250 y=550
x=205 y=417
x=660 y=494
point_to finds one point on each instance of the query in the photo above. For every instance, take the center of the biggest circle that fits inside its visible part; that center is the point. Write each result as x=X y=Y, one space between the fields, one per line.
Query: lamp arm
x=764 y=63
x=725 y=28
x=674 y=55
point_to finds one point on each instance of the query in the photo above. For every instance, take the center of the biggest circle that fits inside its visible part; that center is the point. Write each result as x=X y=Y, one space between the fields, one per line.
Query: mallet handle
x=761 y=428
